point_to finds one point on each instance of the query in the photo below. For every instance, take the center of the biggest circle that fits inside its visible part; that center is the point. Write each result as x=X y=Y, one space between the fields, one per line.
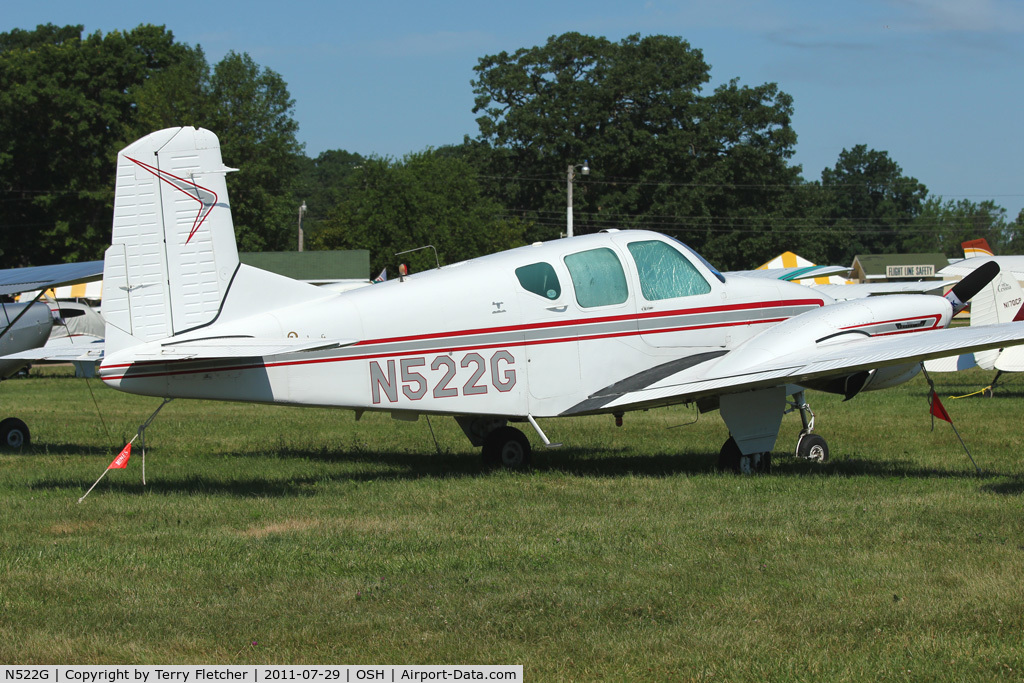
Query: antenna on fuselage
x=429 y=246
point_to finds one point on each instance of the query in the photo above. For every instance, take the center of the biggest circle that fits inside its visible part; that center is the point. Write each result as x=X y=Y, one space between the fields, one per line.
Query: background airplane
x=1001 y=301
x=27 y=326
x=603 y=323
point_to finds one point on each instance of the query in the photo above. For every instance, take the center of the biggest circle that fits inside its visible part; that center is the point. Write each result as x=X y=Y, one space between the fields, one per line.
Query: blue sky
x=938 y=84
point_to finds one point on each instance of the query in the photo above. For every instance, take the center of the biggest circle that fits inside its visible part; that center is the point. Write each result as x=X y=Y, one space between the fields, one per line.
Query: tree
x=65 y=107
x=251 y=111
x=321 y=183
x=944 y=226
x=426 y=198
x=663 y=154
x=871 y=204
x=68 y=104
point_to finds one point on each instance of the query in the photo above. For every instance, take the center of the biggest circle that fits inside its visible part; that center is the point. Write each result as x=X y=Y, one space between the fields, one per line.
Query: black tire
x=812 y=447
x=507 y=447
x=14 y=435
x=729 y=457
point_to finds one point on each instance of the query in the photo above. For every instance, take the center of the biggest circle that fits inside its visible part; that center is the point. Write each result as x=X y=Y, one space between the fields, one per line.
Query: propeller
x=973 y=283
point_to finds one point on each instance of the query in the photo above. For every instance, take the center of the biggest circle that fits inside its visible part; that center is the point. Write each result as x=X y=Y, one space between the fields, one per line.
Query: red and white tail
x=976 y=248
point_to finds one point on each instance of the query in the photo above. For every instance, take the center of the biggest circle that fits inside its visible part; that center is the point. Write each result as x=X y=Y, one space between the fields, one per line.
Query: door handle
x=558 y=309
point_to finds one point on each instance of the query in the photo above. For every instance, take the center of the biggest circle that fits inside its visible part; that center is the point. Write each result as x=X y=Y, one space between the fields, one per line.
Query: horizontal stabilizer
x=232 y=347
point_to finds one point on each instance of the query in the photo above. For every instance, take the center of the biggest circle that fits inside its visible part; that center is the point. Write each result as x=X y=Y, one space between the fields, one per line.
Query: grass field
x=280 y=535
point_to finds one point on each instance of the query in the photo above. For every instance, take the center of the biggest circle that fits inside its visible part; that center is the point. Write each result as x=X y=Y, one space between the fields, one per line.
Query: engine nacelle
x=894 y=375
x=840 y=323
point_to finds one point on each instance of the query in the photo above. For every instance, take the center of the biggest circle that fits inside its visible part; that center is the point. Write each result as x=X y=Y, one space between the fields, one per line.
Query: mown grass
x=282 y=535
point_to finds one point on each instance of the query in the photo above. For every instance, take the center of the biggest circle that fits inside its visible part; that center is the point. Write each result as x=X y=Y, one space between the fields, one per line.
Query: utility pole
x=570 y=176
x=302 y=210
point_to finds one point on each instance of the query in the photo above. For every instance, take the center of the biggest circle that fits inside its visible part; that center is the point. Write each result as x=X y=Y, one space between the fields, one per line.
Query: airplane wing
x=712 y=373
x=796 y=273
x=64 y=349
x=17 y=280
x=859 y=291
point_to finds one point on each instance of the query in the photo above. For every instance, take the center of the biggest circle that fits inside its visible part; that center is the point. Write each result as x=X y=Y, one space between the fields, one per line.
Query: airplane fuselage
x=530 y=331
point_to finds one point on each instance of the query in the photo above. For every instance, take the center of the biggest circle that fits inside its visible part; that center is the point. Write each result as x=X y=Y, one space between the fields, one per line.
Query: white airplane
x=1001 y=301
x=977 y=252
x=605 y=323
x=25 y=327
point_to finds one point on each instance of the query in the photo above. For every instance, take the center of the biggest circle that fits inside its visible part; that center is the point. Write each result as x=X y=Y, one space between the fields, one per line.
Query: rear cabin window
x=540 y=278
x=665 y=273
x=597 y=277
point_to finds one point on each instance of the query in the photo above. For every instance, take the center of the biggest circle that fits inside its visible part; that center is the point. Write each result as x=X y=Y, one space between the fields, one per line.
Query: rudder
x=173 y=254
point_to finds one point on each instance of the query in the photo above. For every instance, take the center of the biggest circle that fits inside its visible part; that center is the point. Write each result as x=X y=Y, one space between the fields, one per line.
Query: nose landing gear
x=812 y=447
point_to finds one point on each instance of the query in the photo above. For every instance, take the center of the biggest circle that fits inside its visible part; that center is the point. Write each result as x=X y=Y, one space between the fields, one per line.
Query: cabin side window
x=665 y=273
x=597 y=277
x=541 y=279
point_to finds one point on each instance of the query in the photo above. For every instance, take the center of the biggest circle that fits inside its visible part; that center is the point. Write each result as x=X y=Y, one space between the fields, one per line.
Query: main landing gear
x=14 y=434
x=730 y=459
x=809 y=446
x=503 y=446
x=507 y=447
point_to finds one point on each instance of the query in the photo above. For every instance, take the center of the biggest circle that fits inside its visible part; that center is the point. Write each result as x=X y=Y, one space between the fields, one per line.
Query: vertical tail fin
x=976 y=248
x=173 y=253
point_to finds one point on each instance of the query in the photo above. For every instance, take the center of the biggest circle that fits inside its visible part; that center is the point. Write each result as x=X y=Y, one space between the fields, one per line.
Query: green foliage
x=943 y=226
x=426 y=198
x=68 y=104
x=871 y=205
x=320 y=185
x=710 y=168
x=251 y=112
x=65 y=106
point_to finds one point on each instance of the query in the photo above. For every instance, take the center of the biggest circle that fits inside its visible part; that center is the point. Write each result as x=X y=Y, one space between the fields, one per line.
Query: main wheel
x=812 y=447
x=756 y=463
x=507 y=447
x=729 y=457
x=14 y=434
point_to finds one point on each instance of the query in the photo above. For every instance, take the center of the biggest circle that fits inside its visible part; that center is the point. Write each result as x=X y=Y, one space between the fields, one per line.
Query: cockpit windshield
x=687 y=247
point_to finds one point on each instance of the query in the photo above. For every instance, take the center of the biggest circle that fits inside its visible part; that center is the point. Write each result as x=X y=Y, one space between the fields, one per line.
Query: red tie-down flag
x=938 y=410
x=121 y=461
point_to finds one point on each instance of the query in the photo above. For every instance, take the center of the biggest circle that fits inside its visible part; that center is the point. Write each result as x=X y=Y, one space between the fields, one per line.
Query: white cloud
x=966 y=16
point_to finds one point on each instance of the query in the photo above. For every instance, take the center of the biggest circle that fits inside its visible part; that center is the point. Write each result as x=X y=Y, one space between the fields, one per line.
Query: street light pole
x=302 y=210
x=570 y=176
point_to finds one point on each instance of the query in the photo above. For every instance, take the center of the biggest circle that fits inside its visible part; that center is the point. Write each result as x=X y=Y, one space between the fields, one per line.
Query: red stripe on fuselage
x=489 y=330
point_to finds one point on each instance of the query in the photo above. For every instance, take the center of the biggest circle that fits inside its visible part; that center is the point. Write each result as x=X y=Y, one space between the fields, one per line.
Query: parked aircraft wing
x=17 y=280
x=64 y=349
x=861 y=290
x=721 y=375
x=796 y=273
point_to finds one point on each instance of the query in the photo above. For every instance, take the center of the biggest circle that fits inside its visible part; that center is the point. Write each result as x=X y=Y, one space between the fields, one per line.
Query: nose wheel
x=812 y=447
